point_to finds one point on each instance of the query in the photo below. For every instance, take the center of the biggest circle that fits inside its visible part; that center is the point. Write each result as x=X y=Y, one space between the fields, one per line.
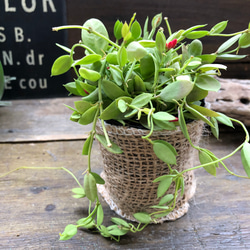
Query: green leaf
x=224 y=120
x=119 y=221
x=182 y=123
x=142 y=217
x=98 y=178
x=135 y=51
x=122 y=56
x=94 y=42
x=82 y=106
x=122 y=105
x=218 y=28
x=113 y=111
x=136 y=30
x=196 y=94
x=204 y=111
x=112 y=90
x=87 y=222
x=115 y=230
x=166 y=199
x=160 y=41
x=71 y=87
x=90 y=187
x=112 y=58
x=163 y=186
x=198 y=115
x=89 y=74
x=163 y=177
x=165 y=124
x=118 y=29
x=195 y=48
x=85 y=150
x=208 y=67
x=231 y=57
x=113 y=149
x=89 y=115
x=244 y=41
x=164 y=152
x=142 y=100
x=69 y=231
x=208 y=58
x=197 y=34
x=100 y=215
x=228 y=43
x=207 y=83
x=61 y=65
x=245 y=157
x=89 y=59
x=79 y=193
x=215 y=128
x=205 y=158
x=116 y=75
x=184 y=33
x=147 y=43
x=176 y=90
x=163 y=116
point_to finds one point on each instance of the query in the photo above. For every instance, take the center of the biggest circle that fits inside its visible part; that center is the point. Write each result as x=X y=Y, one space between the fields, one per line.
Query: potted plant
x=144 y=95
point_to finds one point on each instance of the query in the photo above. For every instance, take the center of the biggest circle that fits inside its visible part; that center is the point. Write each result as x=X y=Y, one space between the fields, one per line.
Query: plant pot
x=128 y=187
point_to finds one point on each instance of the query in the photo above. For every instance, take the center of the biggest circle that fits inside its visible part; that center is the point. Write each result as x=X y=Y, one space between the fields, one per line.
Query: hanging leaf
x=176 y=90
x=142 y=217
x=207 y=82
x=116 y=230
x=228 y=43
x=182 y=123
x=165 y=124
x=69 y=231
x=244 y=41
x=61 y=65
x=90 y=187
x=164 y=151
x=82 y=106
x=197 y=34
x=205 y=158
x=85 y=149
x=98 y=178
x=204 y=111
x=224 y=120
x=196 y=94
x=166 y=199
x=215 y=128
x=99 y=215
x=78 y=193
x=163 y=186
x=245 y=157
x=88 y=116
x=119 y=221
x=218 y=28
x=115 y=149
x=231 y=57
x=112 y=90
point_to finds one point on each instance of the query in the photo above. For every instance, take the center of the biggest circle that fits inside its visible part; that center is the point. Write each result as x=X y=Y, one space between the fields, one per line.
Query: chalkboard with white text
x=27 y=47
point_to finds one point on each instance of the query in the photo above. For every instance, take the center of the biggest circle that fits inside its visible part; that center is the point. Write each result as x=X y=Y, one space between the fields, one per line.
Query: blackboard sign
x=27 y=47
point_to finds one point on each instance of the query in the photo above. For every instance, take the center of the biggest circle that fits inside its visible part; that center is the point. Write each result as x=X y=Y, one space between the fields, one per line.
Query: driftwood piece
x=233 y=99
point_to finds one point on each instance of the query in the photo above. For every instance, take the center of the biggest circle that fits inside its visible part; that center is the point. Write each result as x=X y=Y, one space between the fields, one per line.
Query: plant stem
x=42 y=168
x=87 y=29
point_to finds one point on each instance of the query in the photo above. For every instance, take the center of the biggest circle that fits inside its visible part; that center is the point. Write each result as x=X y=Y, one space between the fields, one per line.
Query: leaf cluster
x=156 y=80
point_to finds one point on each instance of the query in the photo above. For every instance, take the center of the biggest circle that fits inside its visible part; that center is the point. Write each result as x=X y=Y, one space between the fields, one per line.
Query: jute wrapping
x=128 y=176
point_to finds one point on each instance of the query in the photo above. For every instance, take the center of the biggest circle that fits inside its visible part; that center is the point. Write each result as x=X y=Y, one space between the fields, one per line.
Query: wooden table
x=36 y=205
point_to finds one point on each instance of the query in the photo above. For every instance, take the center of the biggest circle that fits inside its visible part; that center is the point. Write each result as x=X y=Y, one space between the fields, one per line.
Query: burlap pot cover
x=128 y=176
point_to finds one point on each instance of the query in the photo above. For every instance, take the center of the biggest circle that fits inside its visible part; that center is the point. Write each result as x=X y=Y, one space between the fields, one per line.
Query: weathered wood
x=36 y=205
x=233 y=99
x=40 y=120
